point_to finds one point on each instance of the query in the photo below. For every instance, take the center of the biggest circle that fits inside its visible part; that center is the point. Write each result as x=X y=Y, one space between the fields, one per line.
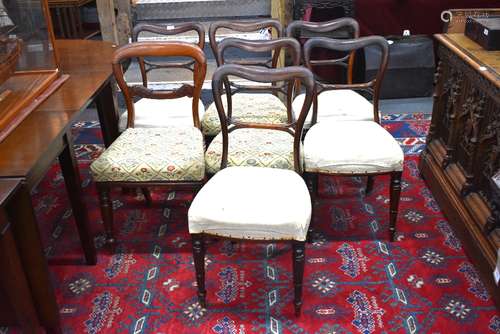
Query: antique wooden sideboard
x=463 y=147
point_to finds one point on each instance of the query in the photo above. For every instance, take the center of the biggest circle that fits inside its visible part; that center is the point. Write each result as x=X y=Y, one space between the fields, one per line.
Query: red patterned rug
x=355 y=280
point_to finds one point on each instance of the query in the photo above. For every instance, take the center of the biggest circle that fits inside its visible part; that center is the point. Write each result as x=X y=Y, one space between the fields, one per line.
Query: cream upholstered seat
x=334 y=147
x=252 y=147
x=153 y=154
x=154 y=113
x=255 y=107
x=351 y=147
x=252 y=203
x=339 y=105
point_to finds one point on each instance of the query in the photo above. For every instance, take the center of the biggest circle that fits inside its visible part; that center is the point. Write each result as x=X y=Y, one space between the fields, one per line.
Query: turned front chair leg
x=369 y=184
x=395 y=193
x=199 y=266
x=298 y=254
x=106 y=213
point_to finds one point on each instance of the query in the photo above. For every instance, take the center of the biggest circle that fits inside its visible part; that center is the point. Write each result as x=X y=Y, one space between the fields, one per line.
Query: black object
x=484 y=31
x=331 y=8
x=410 y=72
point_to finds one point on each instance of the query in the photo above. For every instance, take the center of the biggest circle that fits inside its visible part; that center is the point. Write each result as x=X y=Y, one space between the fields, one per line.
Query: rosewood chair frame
x=323 y=28
x=291 y=74
x=274 y=45
x=243 y=26
x=152 y=49
x=374 y=87
x=146 y=66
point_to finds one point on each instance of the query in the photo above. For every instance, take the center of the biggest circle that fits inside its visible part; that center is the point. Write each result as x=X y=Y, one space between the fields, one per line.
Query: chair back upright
x=163 y=50
x=273 y=45
x=322 y=29
x=167 y=30
x=349 y=45
x=279 y=78
x=245 y=27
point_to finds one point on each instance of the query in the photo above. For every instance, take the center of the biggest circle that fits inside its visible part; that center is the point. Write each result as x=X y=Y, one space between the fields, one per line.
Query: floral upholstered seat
x=152 y=154
x=252 y=147
x=256 y=107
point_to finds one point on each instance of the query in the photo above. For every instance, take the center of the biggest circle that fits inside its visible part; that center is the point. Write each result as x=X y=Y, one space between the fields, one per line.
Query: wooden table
x=45 y=135
x=463 y=147
x=14 y=288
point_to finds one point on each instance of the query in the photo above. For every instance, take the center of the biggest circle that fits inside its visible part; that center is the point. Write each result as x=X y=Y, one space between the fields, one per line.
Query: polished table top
x=89 y=65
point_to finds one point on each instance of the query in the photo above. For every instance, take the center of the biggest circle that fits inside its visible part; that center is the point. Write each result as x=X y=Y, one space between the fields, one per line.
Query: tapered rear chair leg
x=106 y=213
x=298 y=253
x=369 y=184
x=395 y=192
x=147 y=196
x=199 y=266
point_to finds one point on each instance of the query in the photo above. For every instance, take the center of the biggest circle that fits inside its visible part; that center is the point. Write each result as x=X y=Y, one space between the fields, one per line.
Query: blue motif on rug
x=102 y=305
x=476 y=286
x=228 y=278
x=364 y=313
x=450 y=239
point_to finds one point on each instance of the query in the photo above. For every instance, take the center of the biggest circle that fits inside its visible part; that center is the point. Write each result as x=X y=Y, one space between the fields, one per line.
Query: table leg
x=27 y=236
x=14 y=282
x=107 y=109
x=72 y=180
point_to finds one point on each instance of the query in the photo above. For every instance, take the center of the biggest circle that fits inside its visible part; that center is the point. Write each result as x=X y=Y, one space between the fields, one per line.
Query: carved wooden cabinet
x=463 y=146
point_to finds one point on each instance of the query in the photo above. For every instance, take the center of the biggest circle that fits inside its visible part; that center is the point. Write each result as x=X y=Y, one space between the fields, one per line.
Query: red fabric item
x=391 y=17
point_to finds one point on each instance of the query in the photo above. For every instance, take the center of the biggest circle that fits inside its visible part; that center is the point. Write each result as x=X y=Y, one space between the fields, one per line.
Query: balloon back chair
x=170 y=156
x=153 y=113
x=339 y=104
x=354 y=147
x=255 y=203
x=264 y=108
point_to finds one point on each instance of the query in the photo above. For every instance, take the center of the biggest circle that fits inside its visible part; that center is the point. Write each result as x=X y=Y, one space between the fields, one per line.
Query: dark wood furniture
x=283 y=80
x=142 y=50
x=14 y=288
x=169 y=30
x=30 y=150
x=301 y=29
x=245 y=26
x=67 y=18
x=463 y=146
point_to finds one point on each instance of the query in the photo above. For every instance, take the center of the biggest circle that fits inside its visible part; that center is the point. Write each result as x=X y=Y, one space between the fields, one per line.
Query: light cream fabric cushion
x=155 y=113
x=153 y=154
x=247 y=107
x=252 y=203
x=351 y=147
x=340 y=105
x=252 y=147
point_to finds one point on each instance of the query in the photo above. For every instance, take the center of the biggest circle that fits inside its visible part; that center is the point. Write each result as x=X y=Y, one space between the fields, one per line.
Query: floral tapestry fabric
x=252 y=147
x=153 y=154
x=256 y=108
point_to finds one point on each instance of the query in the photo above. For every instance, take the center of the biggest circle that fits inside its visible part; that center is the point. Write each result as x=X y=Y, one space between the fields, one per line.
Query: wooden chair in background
x=340 y=105
x=170 y=156
x=153 y=113
x=264 y=108
x=255 y=203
